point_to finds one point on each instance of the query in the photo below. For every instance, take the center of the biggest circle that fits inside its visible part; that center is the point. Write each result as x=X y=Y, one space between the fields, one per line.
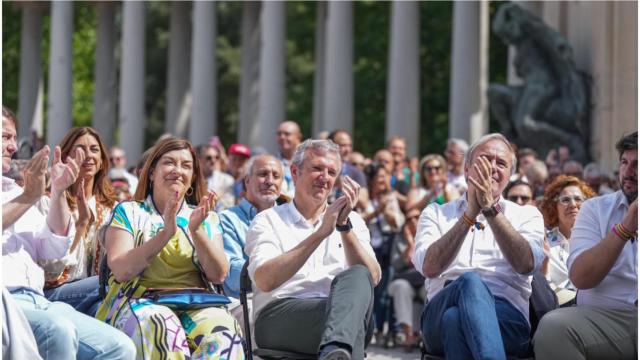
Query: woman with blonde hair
x=433 y=184
x=169 y=237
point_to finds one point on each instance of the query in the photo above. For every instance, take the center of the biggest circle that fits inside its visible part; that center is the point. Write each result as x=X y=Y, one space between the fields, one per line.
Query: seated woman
x=169 y=237
x=91 y=198
x=433 y=184
x=562 y=200
x=384 y=220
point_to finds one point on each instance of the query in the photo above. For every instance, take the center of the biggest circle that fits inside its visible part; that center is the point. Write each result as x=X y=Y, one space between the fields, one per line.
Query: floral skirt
x=161 y=333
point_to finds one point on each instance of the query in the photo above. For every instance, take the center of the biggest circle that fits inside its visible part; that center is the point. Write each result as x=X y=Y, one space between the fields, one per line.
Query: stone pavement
x=378 y=353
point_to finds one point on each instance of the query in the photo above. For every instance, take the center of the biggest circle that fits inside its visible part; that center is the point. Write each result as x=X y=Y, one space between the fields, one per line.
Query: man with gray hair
x=312 y=266
x=477 y=254
x=262 y=183
x=455 y=151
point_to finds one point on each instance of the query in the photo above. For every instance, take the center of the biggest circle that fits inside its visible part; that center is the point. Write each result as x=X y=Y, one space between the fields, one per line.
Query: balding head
x=289 y=137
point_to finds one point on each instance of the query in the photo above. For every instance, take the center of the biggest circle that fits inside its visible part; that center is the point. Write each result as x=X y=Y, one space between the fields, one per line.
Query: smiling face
x=628 y=174
x=568 y=204
x=500 y=156
x=93 y=155
x=433 y=172
x=265 y=181
x=343 y=140
x=398 y=149
x=288 y=137
x=173 y=172
x=9 y=144
x=316 y=176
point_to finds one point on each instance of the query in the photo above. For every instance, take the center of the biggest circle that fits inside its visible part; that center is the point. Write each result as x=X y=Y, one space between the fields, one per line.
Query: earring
x=189 y=191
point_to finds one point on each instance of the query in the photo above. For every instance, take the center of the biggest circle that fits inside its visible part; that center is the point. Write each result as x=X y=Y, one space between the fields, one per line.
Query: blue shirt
x=235 y=223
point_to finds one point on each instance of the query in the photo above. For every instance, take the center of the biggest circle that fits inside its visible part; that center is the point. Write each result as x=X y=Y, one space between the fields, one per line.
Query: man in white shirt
x=603 y=266
x=29 y=235
x=288 y=138
x=311 y=264
x=218 y=181
x=455 y=152
x=477 y=254
x=118 y=160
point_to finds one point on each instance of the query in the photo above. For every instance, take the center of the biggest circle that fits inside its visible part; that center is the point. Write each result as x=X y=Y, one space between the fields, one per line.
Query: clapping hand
x=200 y=213
x=170 y=213
x=34 y=175
x=482 y=183
x=351 y=190
x=84 y=213
x=64 y=174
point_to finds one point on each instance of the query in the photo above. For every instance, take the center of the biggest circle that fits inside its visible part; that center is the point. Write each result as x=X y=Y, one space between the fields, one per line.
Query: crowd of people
x=343 y=250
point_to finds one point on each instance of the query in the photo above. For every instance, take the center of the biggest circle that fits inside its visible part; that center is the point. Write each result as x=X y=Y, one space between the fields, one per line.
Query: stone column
x=104 y=96
x=59 y=103
x=319 y=73
x=338 y=86
x=203 y=123
x=249 y=75
x=403 y=88
x=468 y=117
x=30 y=97
x=178 y=72
x=132 y=117
x=272 y=75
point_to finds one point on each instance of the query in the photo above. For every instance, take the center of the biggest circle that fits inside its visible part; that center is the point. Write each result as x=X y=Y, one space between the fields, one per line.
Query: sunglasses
x=212 y=158
x=523 y=198
x=431 y=168
x=567 y=199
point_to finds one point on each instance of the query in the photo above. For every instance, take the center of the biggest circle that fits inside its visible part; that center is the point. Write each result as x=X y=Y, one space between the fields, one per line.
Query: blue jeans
x=81 y=294
x=63 y=333
x=465 y=321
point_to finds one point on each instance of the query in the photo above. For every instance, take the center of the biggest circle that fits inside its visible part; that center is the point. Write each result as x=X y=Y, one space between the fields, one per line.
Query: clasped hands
x=338 y=212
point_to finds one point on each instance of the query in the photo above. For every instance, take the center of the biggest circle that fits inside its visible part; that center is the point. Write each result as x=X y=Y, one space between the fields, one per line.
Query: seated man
x=27 y=236
x=311 y=264
x=477 y=254
x=262 y=183
x=603 y=265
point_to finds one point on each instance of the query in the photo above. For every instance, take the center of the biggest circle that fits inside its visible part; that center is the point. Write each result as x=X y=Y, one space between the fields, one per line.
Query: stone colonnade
x=600 y=33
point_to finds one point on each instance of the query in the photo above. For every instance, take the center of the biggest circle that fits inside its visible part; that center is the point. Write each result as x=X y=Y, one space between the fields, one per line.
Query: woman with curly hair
x=560 y=205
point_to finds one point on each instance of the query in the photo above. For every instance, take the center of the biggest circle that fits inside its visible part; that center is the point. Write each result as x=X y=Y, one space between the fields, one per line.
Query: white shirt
x=27 y=240
x=132 y=180
x=480 y=252
x=222 y=184
x=619 y=289
x=558 y=255
x=280 y=229
x=458 y=181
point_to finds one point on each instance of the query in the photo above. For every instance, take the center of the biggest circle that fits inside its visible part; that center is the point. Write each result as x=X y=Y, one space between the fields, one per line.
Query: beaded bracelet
x=474 y=224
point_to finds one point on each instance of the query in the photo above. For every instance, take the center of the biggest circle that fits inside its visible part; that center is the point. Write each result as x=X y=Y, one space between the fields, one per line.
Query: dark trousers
x=304 y=325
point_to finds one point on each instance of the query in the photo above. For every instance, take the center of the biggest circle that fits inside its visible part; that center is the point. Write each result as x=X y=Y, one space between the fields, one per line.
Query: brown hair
x=155 y=153
x=102 y=189
x=548 y=205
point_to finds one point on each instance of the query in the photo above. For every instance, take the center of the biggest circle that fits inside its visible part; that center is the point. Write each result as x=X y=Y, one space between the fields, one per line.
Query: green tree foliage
x=11 y=22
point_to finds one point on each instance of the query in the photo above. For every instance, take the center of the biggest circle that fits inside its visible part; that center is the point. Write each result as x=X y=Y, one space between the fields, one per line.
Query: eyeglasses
x=115 y=158
x=523 y=198
x=431 y=168
x=567 y=199
x=212 y=158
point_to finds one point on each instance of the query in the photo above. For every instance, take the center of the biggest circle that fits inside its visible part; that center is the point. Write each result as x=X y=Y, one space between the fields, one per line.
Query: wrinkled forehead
x=494 y=148
x=268 y=164
x=321 y=157
x=8 y=125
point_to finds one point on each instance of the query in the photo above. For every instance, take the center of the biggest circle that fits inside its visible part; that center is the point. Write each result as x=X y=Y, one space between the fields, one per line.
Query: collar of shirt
x=621 y=201
x=249 y=210
x=295 y=217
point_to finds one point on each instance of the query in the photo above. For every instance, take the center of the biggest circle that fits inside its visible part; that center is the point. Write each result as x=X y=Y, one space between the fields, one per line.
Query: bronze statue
x=552 y=107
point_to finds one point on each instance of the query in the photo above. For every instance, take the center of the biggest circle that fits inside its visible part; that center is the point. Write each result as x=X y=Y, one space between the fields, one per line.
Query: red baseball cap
x=240 y=149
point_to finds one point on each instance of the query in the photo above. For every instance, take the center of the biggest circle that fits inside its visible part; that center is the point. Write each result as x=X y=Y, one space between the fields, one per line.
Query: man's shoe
x=336 y=354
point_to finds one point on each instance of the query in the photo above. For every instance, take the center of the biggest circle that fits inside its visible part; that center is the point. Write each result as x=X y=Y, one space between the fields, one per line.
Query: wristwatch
x=490 y=212
x=346 y=227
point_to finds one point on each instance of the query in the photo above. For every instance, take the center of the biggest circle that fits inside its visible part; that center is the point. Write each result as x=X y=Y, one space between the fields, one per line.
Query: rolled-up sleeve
x=586 y=232
x=532 y=230
x=427 y=233
x=262 y=244
x=51 y=246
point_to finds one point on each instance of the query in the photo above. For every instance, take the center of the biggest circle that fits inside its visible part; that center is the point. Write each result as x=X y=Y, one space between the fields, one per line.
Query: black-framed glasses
x=212 y=158
x=567 y=199
x=516 y=198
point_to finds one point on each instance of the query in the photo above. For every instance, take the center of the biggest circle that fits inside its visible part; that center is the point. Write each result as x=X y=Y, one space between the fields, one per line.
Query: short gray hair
x=253 y=159
x=485 y=139
x=464 y=147
x=326 y=146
